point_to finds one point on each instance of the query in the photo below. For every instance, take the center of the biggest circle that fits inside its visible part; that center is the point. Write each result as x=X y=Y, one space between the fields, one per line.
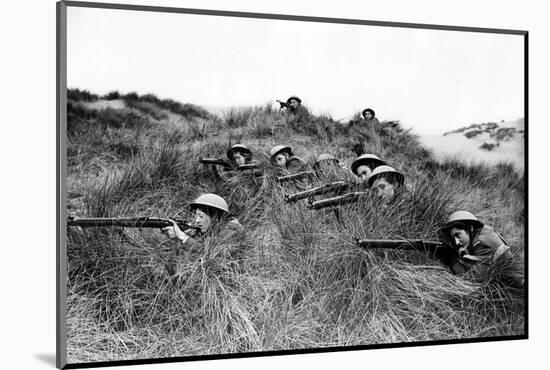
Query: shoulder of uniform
x=234 y=224
x=297 y=159
x=487 y=236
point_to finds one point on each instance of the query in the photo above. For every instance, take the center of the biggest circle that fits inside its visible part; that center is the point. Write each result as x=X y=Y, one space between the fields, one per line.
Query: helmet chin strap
x=471 y=237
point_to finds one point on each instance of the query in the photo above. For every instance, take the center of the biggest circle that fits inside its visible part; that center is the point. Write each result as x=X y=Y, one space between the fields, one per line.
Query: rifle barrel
x=327 y=188
x=141 y=222
x=248 y=166
x=295 y=176
x=215 y=161
x=416 y=244
x=339 y=200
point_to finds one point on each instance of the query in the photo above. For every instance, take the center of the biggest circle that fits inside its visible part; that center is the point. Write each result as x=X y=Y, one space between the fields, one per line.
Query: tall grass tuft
x=297 y=279
x=80 y=95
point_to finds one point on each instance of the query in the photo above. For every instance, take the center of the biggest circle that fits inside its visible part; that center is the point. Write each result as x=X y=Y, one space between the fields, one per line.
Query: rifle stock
x=296 y=176
x=141 y=222
x=339 y=200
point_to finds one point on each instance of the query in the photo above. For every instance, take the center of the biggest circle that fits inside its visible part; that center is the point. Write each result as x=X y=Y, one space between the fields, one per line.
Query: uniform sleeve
x=295 y=164
x=485 y=244
x=223 y=173
x=189 y=244
x=232 y=232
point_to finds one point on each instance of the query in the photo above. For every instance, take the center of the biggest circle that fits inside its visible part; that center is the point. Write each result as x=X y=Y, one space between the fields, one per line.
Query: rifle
x=228 y=165
x=338 y=201
x=283 y=104
x=216 y=161
x=435 y=248
x=323 y=189
x=296 y=176
x=247 y=166
x=149 y=222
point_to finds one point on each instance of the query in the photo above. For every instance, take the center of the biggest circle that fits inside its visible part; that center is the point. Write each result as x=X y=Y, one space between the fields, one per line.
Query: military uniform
x=363 y=122
x=487 y=256
x=487 y=253
x=295 y=164
x=231 y=234
x=229 y=173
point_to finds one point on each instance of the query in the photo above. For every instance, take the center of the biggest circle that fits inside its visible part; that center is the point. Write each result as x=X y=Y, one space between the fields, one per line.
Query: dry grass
x=297 y=280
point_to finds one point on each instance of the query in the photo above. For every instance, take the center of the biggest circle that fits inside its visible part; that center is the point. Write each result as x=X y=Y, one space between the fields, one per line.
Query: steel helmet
x=366 y=110
x=388 y=172
x=238 y=148
x=278 y=149
x=462 y=217
x=212 y=201
x=325 y=157
x=294 y=97
x=370 y=160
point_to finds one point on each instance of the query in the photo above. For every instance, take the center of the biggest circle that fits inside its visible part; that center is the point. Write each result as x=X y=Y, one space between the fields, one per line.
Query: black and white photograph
x=242 y=184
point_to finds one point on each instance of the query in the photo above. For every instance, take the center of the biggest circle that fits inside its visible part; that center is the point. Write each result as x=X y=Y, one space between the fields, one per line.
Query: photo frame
x=125 y=169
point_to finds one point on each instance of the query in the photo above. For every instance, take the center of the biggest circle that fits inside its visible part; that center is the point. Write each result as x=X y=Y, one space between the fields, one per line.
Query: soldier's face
x=363 y=172
x=280 y=159
x=384 y=189
x=460 y=237
x=368 y=115
x=202 y=220
x=293 y=103
x=238 y=159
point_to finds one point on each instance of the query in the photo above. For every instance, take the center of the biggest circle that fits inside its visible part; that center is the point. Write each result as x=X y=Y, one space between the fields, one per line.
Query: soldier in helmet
x=369 y=123
x=369 y=117
x=326 y=165
x=386 y=183
x=365 y=164
x=211 y=216
x=294 y=104
x=296 y=113
x=283 y=157
x=482 y=252
x=325 y=161
x=239 y=155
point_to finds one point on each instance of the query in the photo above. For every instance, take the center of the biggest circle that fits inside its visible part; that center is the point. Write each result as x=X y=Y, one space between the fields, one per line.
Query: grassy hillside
x=298 y=280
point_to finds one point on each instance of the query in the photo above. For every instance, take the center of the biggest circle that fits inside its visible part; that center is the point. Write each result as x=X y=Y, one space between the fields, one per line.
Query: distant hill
x=489 y=142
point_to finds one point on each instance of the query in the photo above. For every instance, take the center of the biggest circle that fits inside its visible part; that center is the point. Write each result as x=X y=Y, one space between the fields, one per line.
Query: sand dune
x=456 y=144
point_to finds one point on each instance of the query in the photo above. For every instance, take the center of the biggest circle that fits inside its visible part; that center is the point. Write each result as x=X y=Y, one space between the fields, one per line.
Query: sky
x=431 y=80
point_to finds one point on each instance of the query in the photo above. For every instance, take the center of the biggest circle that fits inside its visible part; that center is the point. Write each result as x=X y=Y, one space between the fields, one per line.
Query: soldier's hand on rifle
x=191 y=232
x=174 y=232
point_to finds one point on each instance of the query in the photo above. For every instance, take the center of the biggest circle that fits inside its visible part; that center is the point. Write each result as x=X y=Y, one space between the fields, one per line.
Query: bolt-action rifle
x=228 y=165
x=296 y=176
x=247 y=166
x=283 y=104
x=149 y=222
x=331 y=187
x=338 y=200
x=216 y=162
x=335 y=186
x=434 y=248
